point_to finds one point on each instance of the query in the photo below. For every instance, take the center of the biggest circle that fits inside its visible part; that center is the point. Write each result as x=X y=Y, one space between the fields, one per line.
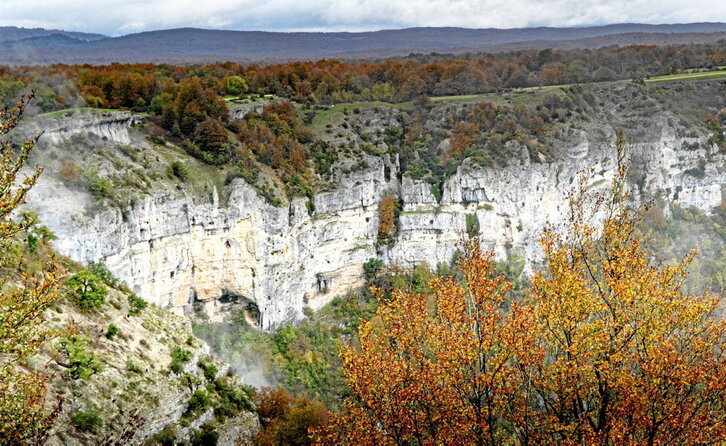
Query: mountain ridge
x=195 y=45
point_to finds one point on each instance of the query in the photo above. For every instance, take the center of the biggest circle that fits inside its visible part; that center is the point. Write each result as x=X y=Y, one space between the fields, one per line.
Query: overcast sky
x=115 y=17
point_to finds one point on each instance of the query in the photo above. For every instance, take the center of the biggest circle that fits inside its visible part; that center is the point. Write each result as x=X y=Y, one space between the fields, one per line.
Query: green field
x=719 y=74
x=249 y=99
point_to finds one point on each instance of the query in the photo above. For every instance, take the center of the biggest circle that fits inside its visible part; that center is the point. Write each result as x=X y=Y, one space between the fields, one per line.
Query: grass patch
x=719 y=74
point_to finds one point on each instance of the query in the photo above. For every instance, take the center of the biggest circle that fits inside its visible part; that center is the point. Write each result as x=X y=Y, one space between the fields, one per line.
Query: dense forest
x=148 y=87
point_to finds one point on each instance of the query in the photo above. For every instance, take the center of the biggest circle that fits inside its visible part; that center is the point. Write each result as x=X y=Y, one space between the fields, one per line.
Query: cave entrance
x=230 y=301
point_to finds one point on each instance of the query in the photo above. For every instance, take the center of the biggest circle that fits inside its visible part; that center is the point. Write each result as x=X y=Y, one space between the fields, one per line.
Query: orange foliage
x=387 y=218
x=286 y=419
x=608 y=348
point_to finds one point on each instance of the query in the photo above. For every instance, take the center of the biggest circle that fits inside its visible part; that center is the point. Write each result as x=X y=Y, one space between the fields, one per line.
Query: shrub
x=179 y=170
x=206 y=436
x=472 y=225
x=69 y=172
x=232 y=400
x=371 y=268
x=248 y=173
x=437 y=192
x=388 y=214
x=89 y=291
x=102 y=272
x=97 y=186
x=133 y=367
x=136 y=304
x=164 y=438
x=178 y=357
x=286 y=419
x=199 y=401
x=87 y=421
x=81 y=364
x=112 y=331
x=210 y=370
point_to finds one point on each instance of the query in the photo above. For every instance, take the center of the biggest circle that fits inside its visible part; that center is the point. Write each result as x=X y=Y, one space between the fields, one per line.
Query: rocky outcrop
x=187 y=253
x=59 y=127
x=240 y=111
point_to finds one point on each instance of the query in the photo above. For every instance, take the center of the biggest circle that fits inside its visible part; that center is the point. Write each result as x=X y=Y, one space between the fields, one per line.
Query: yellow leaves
x=606 y=349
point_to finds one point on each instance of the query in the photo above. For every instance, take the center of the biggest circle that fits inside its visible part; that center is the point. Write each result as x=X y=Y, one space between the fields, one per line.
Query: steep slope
x=138 y=394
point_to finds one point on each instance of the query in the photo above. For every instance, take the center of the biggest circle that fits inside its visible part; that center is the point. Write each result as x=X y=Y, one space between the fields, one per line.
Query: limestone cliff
x=183 y=251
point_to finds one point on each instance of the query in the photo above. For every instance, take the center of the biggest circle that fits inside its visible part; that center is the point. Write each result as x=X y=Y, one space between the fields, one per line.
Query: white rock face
x=177 y=251
x=112 y=126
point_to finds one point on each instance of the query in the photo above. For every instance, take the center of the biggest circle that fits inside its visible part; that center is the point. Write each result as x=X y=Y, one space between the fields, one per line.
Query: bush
x=81 y=363
x=472 y=225
x=133 y=367
x=199 y=402
x=97 y=186
x=88 y=289
x=389 y=208
x=232 y=400
x=437 y=192
x=210 y=370
x=136 y=304
x=205 y=437
x=112 y=331
x=102 y=272
x=179 y=170
x=286 y=419
x=371 y=268
x=164 y=438
x=178 y=357
x=69 y=172
x=87 y=421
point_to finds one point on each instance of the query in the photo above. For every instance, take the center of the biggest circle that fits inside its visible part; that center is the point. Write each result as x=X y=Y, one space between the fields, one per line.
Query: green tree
x=89 y=290
x=23 y=298
x=81 y=363
x=236 y=85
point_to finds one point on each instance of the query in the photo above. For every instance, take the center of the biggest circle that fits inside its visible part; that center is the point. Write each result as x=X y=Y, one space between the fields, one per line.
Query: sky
x=118 y=17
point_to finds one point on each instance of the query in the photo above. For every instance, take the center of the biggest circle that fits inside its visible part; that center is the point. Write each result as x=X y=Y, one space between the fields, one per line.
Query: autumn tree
x=285 y=418
x=607 y=348
x=211 y=136
x=388 y=212
x=628 y=355
x=23 y=298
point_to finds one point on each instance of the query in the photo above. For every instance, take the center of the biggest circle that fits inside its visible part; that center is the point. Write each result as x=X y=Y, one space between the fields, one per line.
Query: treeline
x=141 y=86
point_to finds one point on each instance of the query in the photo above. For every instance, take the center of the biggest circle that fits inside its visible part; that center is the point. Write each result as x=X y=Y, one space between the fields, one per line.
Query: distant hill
x=190 y=45
x=13 y=33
